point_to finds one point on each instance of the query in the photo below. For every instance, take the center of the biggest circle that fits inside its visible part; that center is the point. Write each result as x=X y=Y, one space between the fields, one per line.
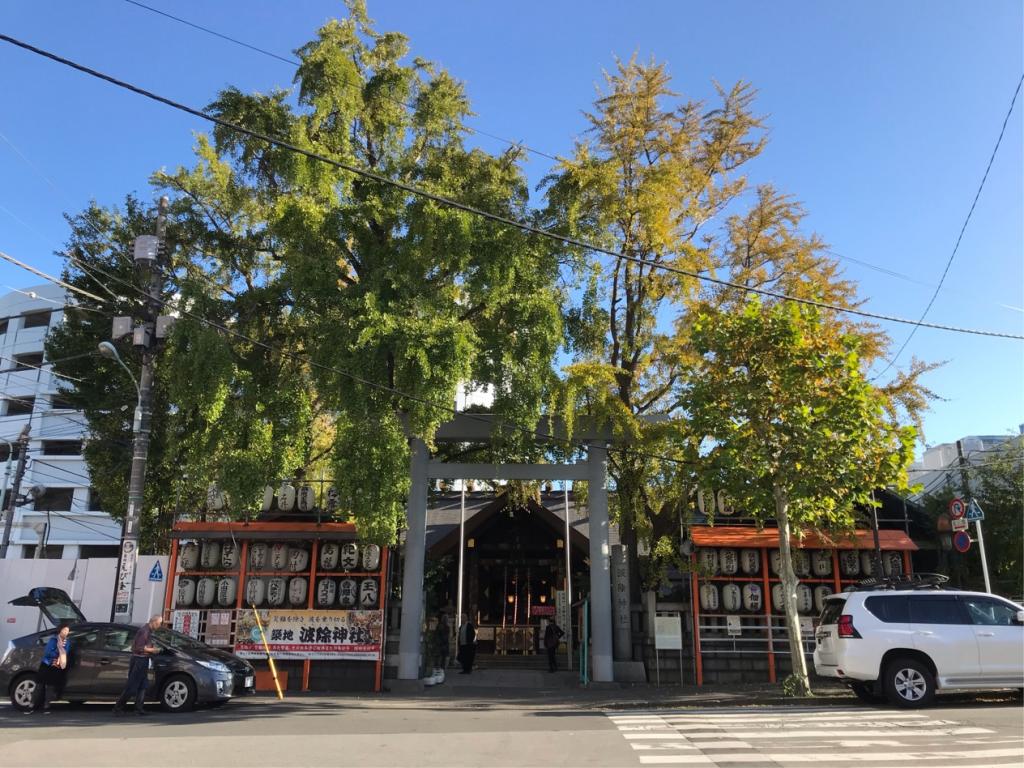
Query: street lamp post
x=124 y=581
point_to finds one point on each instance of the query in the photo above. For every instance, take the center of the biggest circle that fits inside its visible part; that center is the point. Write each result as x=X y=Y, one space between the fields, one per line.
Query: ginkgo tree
x=790 y=427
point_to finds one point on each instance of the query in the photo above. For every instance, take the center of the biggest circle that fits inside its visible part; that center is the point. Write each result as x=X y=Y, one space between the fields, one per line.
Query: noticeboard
x=668 y=632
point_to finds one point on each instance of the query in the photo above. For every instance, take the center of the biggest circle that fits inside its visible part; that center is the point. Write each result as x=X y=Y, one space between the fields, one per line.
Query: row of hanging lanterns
x=275 y=592
x=732 y=598
x=277 y=556
x=287 y=498
x=806 y=563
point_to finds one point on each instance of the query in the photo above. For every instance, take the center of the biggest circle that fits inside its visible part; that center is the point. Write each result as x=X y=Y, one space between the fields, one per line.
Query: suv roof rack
x=913 y=581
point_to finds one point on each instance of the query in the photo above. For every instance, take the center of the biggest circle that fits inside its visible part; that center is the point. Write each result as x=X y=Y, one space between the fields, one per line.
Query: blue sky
x=882 y=118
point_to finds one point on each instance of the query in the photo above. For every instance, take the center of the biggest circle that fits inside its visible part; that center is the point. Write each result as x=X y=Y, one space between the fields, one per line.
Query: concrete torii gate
x=478 y=428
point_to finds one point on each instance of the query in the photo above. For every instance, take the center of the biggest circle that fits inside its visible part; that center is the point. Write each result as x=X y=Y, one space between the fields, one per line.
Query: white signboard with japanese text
x=668 y=631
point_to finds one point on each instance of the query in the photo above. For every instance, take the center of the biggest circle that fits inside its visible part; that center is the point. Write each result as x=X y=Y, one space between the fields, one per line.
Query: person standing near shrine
x=138 y=669
x=467 y=644
x=53 y=669
x=552 y=634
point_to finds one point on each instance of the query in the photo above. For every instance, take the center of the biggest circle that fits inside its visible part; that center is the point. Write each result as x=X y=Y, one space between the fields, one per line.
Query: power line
x=960 y=237
x=522 y=226
x=52 y=279
x=344 y=80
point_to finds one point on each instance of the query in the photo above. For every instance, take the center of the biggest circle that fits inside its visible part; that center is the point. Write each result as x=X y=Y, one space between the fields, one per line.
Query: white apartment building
x=940 y=464
x=66 y=520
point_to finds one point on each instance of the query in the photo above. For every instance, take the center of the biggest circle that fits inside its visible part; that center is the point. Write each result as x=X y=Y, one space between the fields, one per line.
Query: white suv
x=904 y=644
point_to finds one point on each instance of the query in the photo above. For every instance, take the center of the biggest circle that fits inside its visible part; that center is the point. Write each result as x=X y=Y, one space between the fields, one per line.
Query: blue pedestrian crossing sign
x=974 y=511
x=156 y=573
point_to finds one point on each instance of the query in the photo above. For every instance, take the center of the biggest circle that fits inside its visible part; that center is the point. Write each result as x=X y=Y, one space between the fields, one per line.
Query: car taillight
x=845 y=626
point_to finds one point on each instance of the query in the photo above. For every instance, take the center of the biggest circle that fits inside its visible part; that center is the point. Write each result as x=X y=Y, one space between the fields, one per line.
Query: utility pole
x=965 y=492
x=149 y=254
x=12 y=499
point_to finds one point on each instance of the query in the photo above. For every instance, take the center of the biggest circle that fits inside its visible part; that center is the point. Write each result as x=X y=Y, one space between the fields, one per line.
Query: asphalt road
x=521 y=731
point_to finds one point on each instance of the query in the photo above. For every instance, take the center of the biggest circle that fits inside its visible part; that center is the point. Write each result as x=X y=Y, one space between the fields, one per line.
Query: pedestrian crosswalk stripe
x=833 y=737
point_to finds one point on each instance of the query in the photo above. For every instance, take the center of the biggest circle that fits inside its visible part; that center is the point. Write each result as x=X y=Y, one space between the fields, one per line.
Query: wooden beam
x=457 y=471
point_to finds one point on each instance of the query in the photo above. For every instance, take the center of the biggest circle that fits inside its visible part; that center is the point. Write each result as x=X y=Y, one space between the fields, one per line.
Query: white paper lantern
x=728 y=561
x=329 y=553
x=258 y=556
x=227 y=591
x=820 y=593
x=892 y=562
x=708 y=597
x=326 y=592
x=255 y=591
x=849 y=562
x=332 y=500
x=214 y=498
x=276 y=591
x=705 y=507
x=775 y=561
x=725 y=506
x=268 y=498
x=753 y=600
x=708 y=560
x=298 y=590
x=750 y=561
x=368 y=593
x=777 y=603
x=206 y=592
x=821 y=562
x=349 y=556
x=801 y=562
x=186 y=594
x=347 y=593
x=305 y=499
x=371 y=557
x=189 y=556
x=298 y=559
x=278 y=556
x=210 y=558
x=867 y=562
x=229 y=556
x=732 y=598
x=286 y=497
x=804 y=598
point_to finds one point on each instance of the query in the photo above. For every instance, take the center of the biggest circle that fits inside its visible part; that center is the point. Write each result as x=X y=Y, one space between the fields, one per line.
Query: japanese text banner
x=311 y=634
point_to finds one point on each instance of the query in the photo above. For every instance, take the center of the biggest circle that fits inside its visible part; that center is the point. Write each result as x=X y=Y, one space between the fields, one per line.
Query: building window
x=5 y=451
x=62 y=447
x=20 y=406
x=95 y=502
x=60 y=403
x=36 y=319
x=50 y=552
x=55 y=500
x=3 y=325
x=28 y=361
x=87 y=551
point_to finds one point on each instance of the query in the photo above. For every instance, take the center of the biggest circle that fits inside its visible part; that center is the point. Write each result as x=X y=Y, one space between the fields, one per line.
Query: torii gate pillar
x=600 y=564
x=415 y=553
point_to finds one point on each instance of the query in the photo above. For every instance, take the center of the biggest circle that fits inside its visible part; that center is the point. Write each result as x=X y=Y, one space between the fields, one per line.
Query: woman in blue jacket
x=53 y=669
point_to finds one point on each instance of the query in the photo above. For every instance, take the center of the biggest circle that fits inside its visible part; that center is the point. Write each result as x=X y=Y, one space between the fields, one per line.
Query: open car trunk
x=55 y=604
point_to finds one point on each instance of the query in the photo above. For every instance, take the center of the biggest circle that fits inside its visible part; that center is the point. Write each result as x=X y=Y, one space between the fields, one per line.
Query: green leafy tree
x=329 y=316
x=792 y=430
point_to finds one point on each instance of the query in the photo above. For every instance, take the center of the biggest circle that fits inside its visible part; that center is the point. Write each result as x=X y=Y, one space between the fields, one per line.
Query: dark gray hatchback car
x=184 y=673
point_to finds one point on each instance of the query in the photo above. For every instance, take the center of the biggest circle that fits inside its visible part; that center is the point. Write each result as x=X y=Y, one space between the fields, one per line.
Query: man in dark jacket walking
x=138 y=669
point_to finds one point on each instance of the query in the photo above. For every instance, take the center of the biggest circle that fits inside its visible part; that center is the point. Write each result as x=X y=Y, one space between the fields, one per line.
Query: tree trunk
x=789 y=583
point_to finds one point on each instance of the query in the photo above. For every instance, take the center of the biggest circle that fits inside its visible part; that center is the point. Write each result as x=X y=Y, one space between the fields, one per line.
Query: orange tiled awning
x=749 y=536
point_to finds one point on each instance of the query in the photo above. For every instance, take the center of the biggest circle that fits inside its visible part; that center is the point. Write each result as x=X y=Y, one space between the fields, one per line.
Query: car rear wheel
x=908 y=683
x=866 y=692
x=178 y=694
x=24 y=691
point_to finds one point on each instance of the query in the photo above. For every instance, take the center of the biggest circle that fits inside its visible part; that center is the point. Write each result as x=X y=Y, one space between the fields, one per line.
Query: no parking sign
x=957 y=508
x=961 y=541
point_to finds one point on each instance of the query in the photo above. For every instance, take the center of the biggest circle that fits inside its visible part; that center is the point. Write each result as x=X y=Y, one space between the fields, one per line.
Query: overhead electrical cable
x=449 y=202
x=949 y=262
x=344 y=80
x=51 y=278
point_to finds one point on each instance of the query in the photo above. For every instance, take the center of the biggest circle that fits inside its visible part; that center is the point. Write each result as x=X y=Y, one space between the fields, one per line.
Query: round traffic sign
x=961 y=541
x=957 y=508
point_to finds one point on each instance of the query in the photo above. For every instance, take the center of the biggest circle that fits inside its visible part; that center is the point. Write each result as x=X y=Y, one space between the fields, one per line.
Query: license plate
x=248 y=682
